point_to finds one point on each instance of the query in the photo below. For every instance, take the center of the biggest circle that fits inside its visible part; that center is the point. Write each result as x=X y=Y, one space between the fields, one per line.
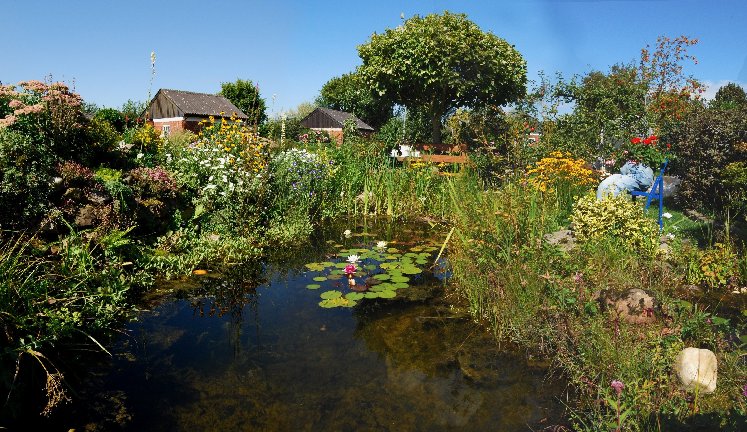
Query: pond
x=252 y=349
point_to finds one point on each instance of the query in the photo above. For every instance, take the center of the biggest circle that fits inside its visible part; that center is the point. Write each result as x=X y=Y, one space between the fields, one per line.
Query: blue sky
x=291 y=48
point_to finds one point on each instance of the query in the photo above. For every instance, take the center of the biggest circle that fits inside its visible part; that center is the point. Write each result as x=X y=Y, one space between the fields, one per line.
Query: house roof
x=341 y=116
x=202 y=104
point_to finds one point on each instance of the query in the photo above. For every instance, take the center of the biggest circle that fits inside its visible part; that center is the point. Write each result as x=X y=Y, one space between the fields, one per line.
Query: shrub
x=26 y=170
x=225 y=172
x=712 y=139
x=153 y=182
x=616 y=217
x=113 y=117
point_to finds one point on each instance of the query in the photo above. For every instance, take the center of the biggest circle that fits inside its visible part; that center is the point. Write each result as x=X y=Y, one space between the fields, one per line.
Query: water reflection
x=251 y=350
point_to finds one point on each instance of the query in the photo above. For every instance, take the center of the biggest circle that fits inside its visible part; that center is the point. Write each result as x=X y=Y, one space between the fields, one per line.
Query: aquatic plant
x=382 y=271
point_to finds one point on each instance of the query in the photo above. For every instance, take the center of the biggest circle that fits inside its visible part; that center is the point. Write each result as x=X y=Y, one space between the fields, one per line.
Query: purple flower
x=744 y=390
x=618 y=386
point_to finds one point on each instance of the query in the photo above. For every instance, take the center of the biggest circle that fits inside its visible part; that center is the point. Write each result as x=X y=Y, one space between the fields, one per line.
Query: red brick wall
x=176 y=125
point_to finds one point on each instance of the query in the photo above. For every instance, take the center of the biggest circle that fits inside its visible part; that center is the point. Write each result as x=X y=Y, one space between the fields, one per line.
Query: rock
x=697 y=369
x=97 y=198
x=74 y=194
x=635 y=306
x=564 y=239
x=85 y=217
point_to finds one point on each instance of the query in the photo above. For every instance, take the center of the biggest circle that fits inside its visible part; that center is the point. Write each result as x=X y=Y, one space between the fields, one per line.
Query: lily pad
x=400 y=285
x=371 y=295
x=411 y=270
x=421 y=262
x=400 y=279
x=320 y=279
x=341 y=265
x=382 y=276
x=336 y=276
x=387 y=294
x=313 y=286
x=370 y=267
x=354 y=296
x=337 y=302
x=392 y=250
x=331 y=295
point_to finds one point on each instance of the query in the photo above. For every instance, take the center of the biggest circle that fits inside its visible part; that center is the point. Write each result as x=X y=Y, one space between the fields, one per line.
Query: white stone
x=697 y=369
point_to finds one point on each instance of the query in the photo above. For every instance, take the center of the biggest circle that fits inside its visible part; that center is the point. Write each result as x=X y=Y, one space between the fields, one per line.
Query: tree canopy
x=442 y=62
x=245 y=95
x=351 y=94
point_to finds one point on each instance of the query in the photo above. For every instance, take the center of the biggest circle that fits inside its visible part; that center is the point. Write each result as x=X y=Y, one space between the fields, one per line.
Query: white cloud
x=712 y=87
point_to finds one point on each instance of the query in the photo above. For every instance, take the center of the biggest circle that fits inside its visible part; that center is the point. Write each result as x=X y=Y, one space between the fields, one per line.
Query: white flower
x=140 y=155
x=353 y=259
x=667 y=215
x=210 y=186
x=57 y=180
x=347 y=233
x=381 y=244
x=670 y=236
x=210 y=178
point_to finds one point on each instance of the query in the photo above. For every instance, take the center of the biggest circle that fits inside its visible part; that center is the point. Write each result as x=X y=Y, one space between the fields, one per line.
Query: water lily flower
x=353 y=259
x=666 y=215
x=347 y=233
x=381 y=244
x=350 y=269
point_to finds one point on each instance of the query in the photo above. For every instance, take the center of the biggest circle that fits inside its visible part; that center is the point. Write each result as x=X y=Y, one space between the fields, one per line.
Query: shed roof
x=202 y=104
x=340 y=117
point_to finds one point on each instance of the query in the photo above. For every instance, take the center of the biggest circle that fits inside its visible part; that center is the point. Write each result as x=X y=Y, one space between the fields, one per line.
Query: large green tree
x=245 y=95
x=351 y=94
x=441 y=62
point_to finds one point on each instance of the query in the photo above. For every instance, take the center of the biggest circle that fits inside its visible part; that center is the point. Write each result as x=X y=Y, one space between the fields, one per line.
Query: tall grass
x=552 y=303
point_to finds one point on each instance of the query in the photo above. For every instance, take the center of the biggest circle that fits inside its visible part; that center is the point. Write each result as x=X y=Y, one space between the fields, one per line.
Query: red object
x=635 y=140
x=350 y=269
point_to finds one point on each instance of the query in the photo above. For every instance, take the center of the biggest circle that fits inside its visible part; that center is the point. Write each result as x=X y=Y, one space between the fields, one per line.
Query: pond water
x=253 y=350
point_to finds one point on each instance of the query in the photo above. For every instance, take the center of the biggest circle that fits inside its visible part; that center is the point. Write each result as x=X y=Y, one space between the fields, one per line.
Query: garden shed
x=174 y=110
x=332 y=122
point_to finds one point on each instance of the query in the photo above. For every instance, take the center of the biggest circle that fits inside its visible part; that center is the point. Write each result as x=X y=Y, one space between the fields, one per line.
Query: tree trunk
x=435 y=128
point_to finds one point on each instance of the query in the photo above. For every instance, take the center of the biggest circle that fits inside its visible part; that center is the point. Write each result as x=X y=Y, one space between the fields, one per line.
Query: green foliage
x=610 y=108
x=245 y=95
x=112 y=116
x=26 y=172
x=102 y=139
x=442 y=62
x=351 y=94
x=729 y=96
x=711 y=140
x=615 y=216
x=133 y=112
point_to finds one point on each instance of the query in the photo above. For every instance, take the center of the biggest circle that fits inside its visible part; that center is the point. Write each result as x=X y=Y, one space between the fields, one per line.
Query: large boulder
x=635 y=306
x=697 y=369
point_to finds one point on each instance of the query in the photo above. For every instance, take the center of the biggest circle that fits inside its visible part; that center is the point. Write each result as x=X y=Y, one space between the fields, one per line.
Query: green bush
x=711 y=140
x=617 y=217
x=26 y=173
x=113 y=117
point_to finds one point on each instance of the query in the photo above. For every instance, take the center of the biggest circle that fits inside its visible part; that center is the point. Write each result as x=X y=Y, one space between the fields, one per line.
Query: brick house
x=332 y=122
x=175 y=110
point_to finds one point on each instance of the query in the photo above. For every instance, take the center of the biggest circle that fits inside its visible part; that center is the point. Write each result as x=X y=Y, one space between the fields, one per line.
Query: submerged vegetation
x=95 y=211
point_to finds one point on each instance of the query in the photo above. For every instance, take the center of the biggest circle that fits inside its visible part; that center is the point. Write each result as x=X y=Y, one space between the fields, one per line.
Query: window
x=165 y=130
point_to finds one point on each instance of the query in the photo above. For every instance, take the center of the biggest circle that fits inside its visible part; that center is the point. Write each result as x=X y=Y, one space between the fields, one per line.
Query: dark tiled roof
x=341 y=116
x=203 y=104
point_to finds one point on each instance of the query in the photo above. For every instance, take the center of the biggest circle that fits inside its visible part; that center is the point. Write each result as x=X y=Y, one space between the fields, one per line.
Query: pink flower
x=350 y=269
x=618 y=386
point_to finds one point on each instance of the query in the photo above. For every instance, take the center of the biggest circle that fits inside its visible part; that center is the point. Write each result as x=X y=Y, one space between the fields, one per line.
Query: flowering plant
x=650 y=151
